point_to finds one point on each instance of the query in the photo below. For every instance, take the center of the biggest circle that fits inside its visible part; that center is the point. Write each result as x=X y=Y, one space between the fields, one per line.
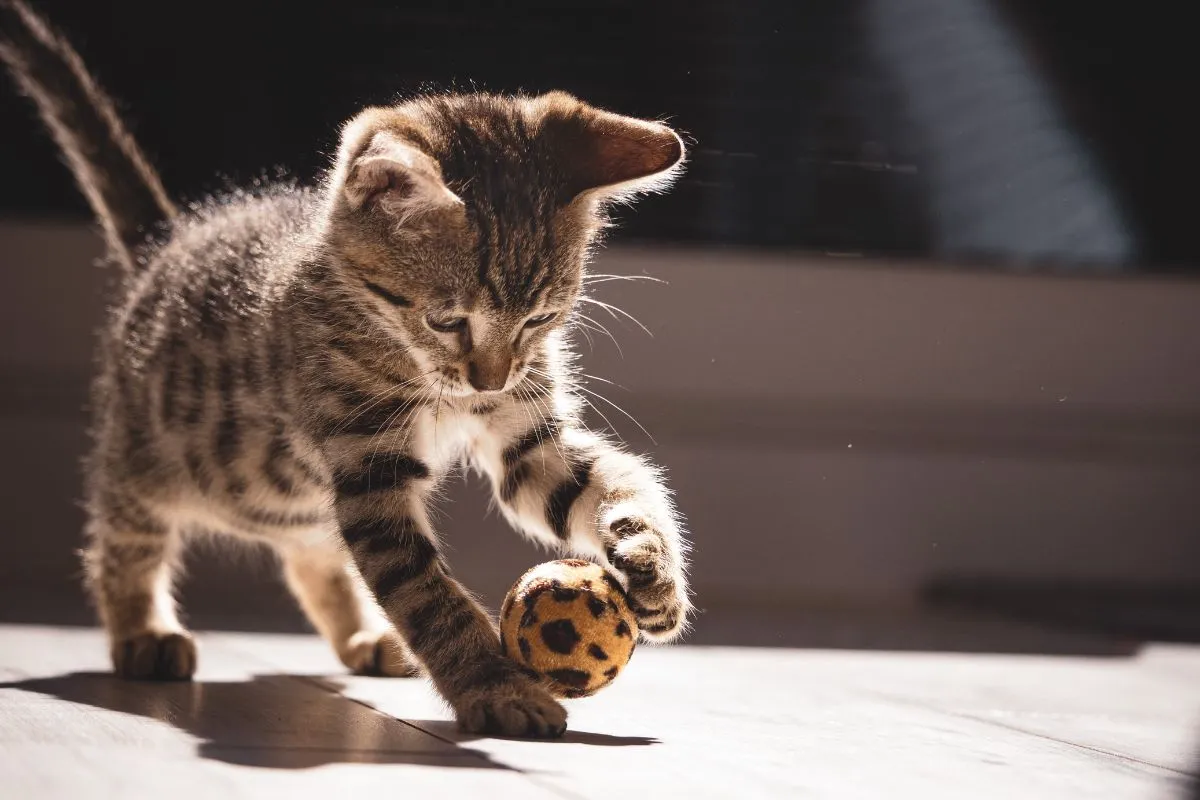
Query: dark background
x=1011 y=133
x=870 y=381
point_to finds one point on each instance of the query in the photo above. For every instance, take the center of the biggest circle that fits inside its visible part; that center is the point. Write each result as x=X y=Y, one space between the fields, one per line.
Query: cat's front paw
x=155 y=657
x=656 y=587
x=518 y=707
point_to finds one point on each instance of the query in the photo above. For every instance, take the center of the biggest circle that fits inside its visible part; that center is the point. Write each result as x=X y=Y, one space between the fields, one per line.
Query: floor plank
x=853 y=723
x=52 y=772
x=1131 y=707
x=274 y=713
x=723 y=722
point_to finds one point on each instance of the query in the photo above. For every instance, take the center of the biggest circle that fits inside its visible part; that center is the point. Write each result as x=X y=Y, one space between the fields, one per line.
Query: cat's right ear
x=395 y=177
x=605 y=155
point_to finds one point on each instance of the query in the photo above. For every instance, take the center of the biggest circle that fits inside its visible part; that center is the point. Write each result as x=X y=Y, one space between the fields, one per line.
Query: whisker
x=570 y=388
x=525 y=397
x=390 y=423
x=584 y=330
x=385 y=394
x=603 y=277
x=603 y=380
x=603 y=416
x=618 y=408
x=601 y=329
x=614 y=310
x=546 y=414
x=437 y=411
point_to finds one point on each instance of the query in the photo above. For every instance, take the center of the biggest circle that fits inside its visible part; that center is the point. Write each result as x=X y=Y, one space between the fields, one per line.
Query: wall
x=838 y=431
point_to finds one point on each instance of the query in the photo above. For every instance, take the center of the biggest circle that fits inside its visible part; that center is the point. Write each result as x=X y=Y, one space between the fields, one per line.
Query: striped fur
x=302 y=367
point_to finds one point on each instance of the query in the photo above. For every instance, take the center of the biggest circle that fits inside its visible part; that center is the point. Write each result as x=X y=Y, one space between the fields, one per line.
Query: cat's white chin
x=463 y=391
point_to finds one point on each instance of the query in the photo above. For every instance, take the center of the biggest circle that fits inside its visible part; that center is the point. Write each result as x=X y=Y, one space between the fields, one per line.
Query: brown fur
x=302 y=367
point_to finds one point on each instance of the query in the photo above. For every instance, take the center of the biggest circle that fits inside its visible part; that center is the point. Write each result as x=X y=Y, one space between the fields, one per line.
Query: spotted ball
x=570 y=622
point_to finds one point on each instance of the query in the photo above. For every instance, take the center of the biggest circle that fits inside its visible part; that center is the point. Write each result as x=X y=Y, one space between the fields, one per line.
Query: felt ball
x=570 y=622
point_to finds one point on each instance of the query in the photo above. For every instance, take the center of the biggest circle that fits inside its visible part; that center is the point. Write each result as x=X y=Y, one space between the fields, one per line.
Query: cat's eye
x=540 y=320
x=447 y=324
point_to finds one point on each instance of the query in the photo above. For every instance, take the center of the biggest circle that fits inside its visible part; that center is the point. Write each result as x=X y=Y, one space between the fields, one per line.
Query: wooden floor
x=271 y=715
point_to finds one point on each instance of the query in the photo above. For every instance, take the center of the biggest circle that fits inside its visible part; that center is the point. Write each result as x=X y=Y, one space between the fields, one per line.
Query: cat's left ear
x=380 y=167
x=399 y=178
x=607 y=155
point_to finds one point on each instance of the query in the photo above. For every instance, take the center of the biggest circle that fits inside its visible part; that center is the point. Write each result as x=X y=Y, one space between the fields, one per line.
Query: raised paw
x=657 y=594
x=155 y=657
x=519 y=707
x=381 y=654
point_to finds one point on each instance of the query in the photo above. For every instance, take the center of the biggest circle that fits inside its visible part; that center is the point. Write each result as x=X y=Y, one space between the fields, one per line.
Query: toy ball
x=570 y=622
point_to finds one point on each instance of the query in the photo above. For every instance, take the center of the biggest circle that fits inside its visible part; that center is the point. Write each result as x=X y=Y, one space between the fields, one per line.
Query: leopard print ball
x=570 y=622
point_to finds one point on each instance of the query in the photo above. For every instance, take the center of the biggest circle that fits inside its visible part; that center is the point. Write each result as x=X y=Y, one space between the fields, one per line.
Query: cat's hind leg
x=130 y=561
x=326 y=584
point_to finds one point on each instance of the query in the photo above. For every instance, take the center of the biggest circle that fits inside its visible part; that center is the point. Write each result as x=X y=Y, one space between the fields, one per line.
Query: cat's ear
x=397 y=177
x=607 y=154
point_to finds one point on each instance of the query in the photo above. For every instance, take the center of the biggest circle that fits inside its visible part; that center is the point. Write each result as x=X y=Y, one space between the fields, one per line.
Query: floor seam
x=1036 y=734
x=487 y=758
x=460 y=750
x=331 y=690
x=1077 y=745
x=325 y=687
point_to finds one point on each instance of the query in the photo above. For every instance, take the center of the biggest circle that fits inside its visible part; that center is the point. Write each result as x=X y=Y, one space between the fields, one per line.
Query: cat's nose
x=488 y=375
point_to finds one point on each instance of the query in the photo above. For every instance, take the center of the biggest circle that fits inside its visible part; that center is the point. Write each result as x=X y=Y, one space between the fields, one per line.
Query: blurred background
x=928 y=341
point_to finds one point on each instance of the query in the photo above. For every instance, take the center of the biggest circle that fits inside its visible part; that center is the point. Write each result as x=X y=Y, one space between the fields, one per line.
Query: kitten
x=301 y=367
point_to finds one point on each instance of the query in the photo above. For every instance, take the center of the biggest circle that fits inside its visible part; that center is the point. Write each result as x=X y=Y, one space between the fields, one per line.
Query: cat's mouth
x=456 y=388
x=452 y=384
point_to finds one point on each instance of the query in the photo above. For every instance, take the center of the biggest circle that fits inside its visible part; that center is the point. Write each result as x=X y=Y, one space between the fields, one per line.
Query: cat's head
x=461 y=224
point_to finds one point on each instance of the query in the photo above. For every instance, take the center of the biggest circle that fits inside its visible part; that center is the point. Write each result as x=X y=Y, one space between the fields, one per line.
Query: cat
x=301 y=367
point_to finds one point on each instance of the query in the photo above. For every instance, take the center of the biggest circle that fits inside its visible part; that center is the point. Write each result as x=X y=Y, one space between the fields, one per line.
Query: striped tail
x=124 y=191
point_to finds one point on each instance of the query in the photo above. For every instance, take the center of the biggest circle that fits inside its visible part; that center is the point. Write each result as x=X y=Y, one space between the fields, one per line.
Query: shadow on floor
x=287 y=721
x=269 y=721
x=449 y=732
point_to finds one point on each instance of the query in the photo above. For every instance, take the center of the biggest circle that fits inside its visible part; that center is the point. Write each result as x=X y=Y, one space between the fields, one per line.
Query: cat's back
x=194 y=405
x=215 y=275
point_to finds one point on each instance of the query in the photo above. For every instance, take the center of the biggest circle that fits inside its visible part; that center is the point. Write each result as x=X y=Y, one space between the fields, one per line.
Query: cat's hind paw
x=380 y=654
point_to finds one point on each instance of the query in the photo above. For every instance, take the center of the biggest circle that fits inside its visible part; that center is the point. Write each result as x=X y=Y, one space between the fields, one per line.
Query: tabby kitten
x=301 y=367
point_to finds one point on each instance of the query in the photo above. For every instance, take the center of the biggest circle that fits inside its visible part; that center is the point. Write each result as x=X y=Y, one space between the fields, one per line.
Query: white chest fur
x=447 y=436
